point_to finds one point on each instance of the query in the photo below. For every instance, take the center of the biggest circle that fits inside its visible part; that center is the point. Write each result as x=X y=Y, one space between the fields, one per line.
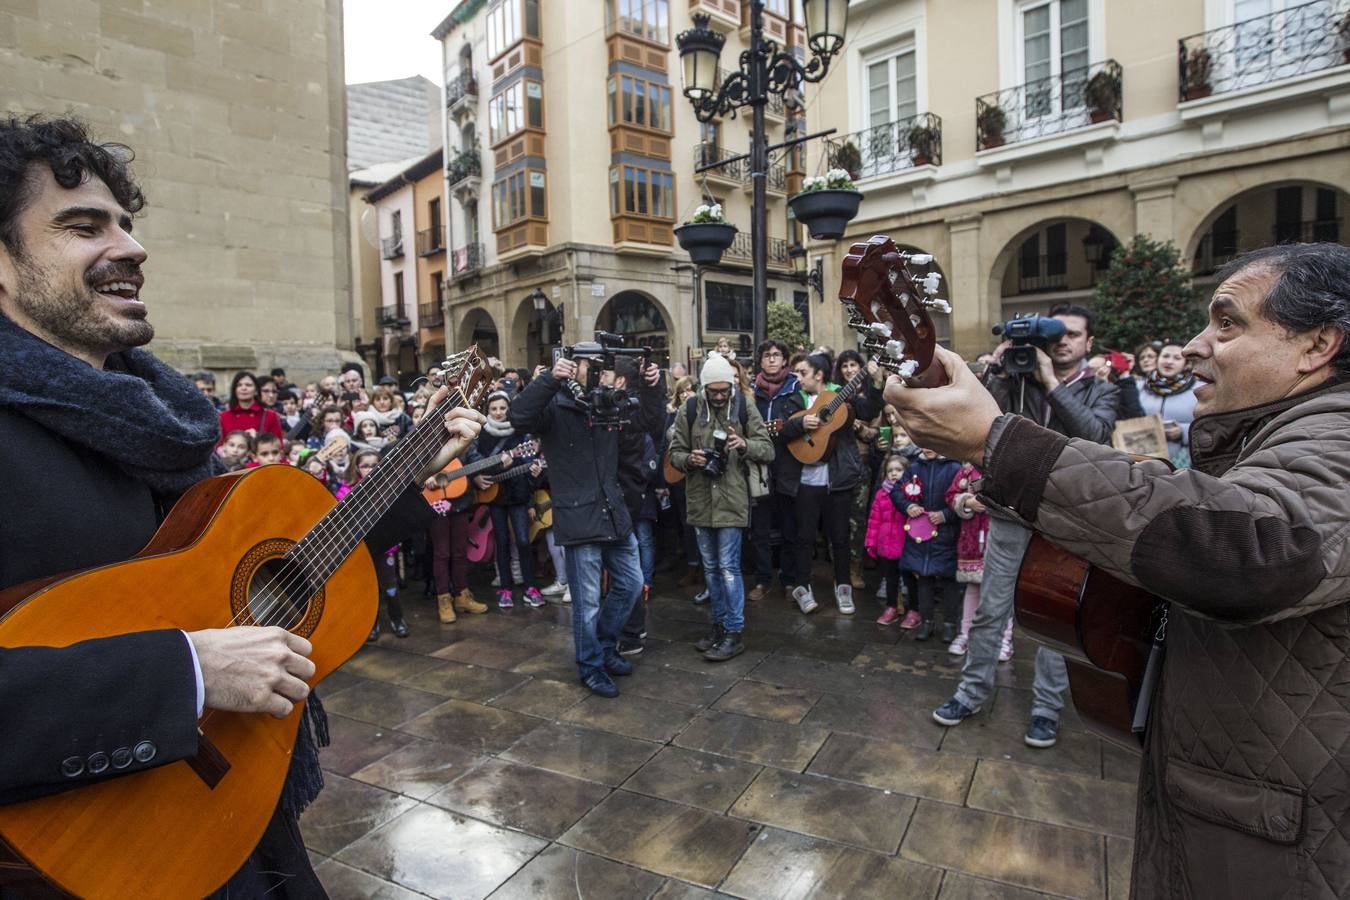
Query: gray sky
x=387 y=39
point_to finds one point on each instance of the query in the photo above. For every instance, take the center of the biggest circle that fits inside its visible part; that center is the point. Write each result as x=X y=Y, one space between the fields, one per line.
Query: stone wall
x=235 y=109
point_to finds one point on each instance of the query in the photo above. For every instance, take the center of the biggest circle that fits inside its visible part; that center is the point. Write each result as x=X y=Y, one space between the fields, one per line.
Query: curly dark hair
x=67 y=148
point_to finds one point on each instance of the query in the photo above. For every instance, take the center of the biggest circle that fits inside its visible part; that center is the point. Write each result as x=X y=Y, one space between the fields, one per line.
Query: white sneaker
x=553 y=589
x=806 y=601
x=881 y=590
x=566 y=595
x=843 y=596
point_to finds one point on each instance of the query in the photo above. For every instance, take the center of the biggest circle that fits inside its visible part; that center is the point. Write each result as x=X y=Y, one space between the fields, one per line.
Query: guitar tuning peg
x=937 y=305
x=920 y=259
x=907 y=368
x=880 y=329
x=930 y=283
x=895 y=349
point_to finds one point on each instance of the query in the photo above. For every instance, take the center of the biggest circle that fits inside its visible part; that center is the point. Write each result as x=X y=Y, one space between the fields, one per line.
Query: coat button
x=98 y=763
x=72 y=767
x=121 y=757
x=144 y=752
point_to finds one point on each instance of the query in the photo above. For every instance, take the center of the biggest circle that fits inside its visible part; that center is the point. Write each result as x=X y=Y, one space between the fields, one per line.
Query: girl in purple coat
x=885 y=539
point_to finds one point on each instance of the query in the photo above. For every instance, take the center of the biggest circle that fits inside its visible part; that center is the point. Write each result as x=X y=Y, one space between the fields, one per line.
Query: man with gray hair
x=1245 y=787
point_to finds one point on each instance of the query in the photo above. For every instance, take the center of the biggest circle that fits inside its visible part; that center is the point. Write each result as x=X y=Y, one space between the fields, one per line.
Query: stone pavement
x=467 y=762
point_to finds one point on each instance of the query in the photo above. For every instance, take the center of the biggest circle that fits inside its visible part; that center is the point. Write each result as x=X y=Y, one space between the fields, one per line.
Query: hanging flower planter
x=826 y=205
x=706 y=235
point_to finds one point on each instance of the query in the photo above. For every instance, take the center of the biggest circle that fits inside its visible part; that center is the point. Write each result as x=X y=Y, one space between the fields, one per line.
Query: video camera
x=606 y=407
x=1027 y=332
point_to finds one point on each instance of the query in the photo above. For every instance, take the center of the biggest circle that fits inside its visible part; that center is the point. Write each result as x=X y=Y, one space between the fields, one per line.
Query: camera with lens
x=1027 y=333
x=606 y=406
x=716 y=455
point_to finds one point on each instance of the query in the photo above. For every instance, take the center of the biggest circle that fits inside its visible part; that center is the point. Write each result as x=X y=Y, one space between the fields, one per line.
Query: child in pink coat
x=885 y=540
x=970 y=555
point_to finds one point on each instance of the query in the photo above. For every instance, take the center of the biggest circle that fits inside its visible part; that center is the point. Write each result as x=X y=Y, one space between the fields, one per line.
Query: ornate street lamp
x=763 y=69
x=815 y=276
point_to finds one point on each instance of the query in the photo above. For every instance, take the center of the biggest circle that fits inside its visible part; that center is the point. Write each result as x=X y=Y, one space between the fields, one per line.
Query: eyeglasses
x=717 y=392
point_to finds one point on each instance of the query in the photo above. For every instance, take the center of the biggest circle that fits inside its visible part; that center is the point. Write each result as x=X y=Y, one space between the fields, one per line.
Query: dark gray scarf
x=137 y=412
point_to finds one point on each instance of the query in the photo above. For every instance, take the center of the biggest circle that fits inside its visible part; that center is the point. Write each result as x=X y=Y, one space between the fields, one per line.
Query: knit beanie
x=715 y=370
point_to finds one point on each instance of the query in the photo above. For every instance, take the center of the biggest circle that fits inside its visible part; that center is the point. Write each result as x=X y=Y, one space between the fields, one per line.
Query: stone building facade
x=235 y=111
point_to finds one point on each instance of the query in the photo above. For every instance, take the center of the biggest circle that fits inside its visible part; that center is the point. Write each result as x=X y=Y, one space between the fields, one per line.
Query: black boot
x=374 y=633
x=703 y=645
x=400 y=627
x=728 y=647
x=924 y=631
x=949 y=632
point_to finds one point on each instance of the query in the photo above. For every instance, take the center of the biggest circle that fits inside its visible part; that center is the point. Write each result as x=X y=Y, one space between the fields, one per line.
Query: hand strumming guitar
x=462 y=427
x=253 y=669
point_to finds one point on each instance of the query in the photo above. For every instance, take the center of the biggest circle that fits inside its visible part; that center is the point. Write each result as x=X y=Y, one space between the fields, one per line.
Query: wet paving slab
x=467 y=761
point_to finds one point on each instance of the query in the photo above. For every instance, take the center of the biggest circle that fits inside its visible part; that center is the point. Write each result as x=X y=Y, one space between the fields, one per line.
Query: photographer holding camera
x=580 y=423
x=1038 y=372
x=715 y=435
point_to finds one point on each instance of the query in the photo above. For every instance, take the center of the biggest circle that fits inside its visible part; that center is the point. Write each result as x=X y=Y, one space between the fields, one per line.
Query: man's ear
x=1322 y=346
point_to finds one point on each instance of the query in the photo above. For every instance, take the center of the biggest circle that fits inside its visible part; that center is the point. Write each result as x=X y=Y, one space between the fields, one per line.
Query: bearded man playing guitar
x=99 y=439
x=1245 y=786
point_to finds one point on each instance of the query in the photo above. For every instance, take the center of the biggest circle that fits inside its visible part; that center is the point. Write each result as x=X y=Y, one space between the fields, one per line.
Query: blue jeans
x=721 y=552
x=520 y=528
x=595 y=628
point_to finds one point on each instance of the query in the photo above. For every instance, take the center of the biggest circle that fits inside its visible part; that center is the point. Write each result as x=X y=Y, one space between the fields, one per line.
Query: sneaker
x=958 y=646
x=566 y=595
x=806 y=602
x=599 y=683
x=889 y=617
x=534 y=599
x=553 y=589
x=617 y=665
x=728 y=647
x=1005 y=650
x=911 y=620
x=758 y=593
x=629 y=647
x=924 y=631
x=702 y=597
x=504 y=600
x=881 y=590
x=952 y=713
x=843 y=598
x=1042 y=732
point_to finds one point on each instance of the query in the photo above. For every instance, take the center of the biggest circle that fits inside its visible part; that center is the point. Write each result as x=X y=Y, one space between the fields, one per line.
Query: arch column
x=1155 y=208
x=972 y=308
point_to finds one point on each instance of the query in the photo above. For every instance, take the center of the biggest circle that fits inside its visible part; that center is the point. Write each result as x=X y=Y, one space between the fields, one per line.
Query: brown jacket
x=1245 y=786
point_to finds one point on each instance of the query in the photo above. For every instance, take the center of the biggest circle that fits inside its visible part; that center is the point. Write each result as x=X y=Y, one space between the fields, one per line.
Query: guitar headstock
x=528 y=448
x=466 y=372
x=890 y=307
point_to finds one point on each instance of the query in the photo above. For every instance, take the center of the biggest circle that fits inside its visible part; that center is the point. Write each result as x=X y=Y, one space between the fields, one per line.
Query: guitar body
x=543 y=513
x=482 y=547
x=671 y=474
x=487 y=495
x=812 y=446
x=165 y=832
x=449 y=485
x=1103 y=626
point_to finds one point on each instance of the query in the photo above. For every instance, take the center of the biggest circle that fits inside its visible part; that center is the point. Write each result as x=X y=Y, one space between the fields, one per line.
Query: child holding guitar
x=510 y=507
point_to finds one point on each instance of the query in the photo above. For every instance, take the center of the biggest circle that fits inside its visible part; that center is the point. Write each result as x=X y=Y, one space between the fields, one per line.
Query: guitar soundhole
x=271 y=589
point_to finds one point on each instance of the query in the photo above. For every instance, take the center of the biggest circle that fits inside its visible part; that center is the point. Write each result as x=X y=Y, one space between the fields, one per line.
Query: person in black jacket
x=777 y=397
x=590 y=517
x=99 y=439
x=510 y=508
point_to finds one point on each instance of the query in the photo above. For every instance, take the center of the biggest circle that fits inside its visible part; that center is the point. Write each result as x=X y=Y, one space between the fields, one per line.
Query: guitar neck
x=515 y=472
x=474 y=468
x=846 y=392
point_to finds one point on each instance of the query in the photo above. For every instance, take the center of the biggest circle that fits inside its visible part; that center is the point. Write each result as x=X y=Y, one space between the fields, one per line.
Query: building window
x=519 y=106
x=519 y=196
x=730 y=307
x=646 y=19
x=1053 y=41
x=892 y=92
x=398 y=294
x=634 y=101
x=801 y=301
x=437 y=282
x=777 y=7
x=508 y=21
x=641 y=192
x=396 y=225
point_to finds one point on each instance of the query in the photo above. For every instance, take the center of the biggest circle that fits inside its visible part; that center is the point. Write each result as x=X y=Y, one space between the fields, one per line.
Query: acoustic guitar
x=1103 y=626
x=182 y=829
x=543 y=513
x=488 y=494
x=834 y=412
x=452 y=481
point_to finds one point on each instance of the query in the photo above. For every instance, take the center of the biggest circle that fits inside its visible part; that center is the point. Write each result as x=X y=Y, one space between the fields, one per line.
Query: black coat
x=583 y=462
x=936 y=556
x=781 y=405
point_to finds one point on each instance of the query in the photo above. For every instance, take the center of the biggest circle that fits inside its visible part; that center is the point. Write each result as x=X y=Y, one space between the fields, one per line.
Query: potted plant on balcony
x=1343 y=32
x=1102 y=95
x=826 y=204
x=922 y=143
x=990 y=122
x=1198 y=66
x=849 y=158
x=706 y=235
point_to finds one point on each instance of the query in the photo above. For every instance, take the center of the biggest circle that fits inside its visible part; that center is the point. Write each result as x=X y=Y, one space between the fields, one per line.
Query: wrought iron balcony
x=740 y=249
x=1294 y=41
x=466 y=260
x=393 y=316
x=737 y=170
x=465 y=164
x=462 y=87
x=1321 y=230
x=430 y=240
x=892 y=147
x=430 y=315
x=1047 y=106
x=1047 y=272
x=391 y=247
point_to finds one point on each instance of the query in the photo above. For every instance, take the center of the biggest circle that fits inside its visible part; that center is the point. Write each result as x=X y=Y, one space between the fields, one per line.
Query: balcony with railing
x=1298 y=40
x=1048 y=106
x=886 y=149
x=430 y=315
x=461 y=93
x=464 y=172
x=741 y=250
x=466 y=260
x=430 y=240
x=736 y=171
x=391 y=247
x=392 y=316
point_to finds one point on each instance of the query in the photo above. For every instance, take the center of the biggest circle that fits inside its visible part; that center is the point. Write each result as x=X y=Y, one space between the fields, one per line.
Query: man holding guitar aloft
x=99 y=439
x=1245 y=787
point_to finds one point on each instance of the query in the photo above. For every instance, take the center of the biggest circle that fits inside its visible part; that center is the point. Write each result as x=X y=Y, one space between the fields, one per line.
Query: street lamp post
x=764 y=68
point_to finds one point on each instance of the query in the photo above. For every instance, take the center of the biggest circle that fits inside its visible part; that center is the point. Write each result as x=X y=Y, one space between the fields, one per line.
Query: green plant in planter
x=991 y=121
x=1198 y=68
x=833 y=180
x=848 y=158
x=922 y=140
x=707 y=214
x=1102 y=95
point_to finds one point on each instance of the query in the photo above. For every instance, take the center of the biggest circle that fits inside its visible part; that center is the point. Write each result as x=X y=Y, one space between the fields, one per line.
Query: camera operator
x=714 y=436
x=590 y=518
x=1061 y=394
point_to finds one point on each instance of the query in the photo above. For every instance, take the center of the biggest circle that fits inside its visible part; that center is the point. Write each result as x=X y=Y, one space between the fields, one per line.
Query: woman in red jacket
x=245 y=412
